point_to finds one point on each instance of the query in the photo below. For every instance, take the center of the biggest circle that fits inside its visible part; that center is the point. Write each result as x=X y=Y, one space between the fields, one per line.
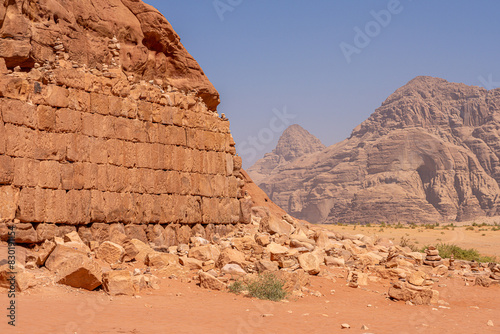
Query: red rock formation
x=106 y=118
x=430 y=153
x=149 y=47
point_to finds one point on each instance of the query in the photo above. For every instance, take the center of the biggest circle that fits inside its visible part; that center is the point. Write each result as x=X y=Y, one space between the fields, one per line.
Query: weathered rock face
x=148 y=47
x=293 y=143
x=430 y=153
x=85 y=138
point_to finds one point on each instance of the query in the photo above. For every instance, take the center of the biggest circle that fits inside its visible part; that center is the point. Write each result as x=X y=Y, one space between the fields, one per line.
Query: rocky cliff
x=107 y=119
x=293 y=143
x=430 y=153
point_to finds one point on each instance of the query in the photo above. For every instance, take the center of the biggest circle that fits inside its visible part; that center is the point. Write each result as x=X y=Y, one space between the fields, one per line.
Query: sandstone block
x=63 y=256
x=417 y=278
x=47 y=231
x=310 y=263
x=110 y=252
x=84 y=275
x=400 y=291
x=99 y=104
x=274 y=225
x=190 y=263
x=46 y=118
x=118 y=283
x=157 y=259
x=23 y=282
x=136 y=232
x=50 y=175
x=24 y=232
x=44 y=251
x=229 y=256
x=208 y=281
x=204 y=253
x=19 y=113
x=266 y=265
x=68 y=120
x=9 y=197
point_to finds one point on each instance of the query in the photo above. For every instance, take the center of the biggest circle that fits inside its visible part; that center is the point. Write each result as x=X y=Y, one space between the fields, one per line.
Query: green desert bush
x=236 y=287
x=406 y=242
x=267 y=286
x=471 y=254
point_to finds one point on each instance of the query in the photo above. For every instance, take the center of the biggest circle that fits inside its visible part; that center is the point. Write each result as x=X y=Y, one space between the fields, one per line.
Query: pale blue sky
x=267 y=55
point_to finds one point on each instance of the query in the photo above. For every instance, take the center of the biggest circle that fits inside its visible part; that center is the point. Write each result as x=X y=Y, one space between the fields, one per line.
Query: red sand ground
x=185 y=308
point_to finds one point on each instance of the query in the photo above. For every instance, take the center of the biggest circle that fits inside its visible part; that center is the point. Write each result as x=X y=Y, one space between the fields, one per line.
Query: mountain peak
x=296 y=142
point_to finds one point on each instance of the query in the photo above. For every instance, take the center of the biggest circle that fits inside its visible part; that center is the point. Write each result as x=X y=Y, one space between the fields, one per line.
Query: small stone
x=344 y=326
x=267 y=315
x=364 y=327
x=490 y=323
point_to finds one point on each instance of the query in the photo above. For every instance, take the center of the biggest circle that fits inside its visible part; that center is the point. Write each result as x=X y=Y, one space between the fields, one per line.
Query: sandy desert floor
x=181 y=307
x=484 y=238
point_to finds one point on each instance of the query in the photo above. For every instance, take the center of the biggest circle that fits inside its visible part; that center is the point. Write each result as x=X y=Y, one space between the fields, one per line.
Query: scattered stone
x=190 y=263
x=490 y=323
x=118 y=282
x=233 y=269
x=310 y=263
x=345 y=326
x=110 y=252
x=266 y=265
x=157 y=259
x=208 y=281
x=84 y=275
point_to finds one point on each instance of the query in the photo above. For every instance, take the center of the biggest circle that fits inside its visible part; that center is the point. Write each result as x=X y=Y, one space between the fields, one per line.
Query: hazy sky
x=327 y=65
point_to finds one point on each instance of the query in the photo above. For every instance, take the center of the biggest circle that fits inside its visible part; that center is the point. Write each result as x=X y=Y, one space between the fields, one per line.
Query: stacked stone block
x=95 y=149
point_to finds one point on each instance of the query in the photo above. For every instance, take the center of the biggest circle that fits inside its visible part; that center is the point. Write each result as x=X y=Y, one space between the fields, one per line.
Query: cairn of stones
x=432 y=257
x=451 y=265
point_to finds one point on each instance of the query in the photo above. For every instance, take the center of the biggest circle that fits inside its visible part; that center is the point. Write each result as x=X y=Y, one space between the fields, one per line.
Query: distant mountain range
x=429 y=153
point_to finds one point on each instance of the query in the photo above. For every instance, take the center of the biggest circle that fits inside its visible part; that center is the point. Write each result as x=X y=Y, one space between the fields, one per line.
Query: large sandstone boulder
x=406 y=292
x=86 y=274
x=63 y=255
x=119 y=282
x=208 y=281
x=273 y=225
x=157 y=259
x=428 y=154
x=44 y=251
x=266 y=265
x=110 y=252
x=230 y=255
x=144 y=250
x=190 y=263
x=20 y=281
x=310 y=263
x=204 y=253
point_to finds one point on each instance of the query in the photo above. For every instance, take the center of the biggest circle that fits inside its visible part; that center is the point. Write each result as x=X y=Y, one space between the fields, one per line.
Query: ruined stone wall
x=81 y=146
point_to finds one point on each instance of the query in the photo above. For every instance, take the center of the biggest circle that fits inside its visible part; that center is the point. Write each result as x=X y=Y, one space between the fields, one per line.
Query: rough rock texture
x=148 y=46
x=430 y=153
x=104 y=118
x=293 y=143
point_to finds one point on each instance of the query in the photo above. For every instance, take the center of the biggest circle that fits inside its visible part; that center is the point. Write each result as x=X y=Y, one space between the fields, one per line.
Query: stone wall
x=81 y=146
